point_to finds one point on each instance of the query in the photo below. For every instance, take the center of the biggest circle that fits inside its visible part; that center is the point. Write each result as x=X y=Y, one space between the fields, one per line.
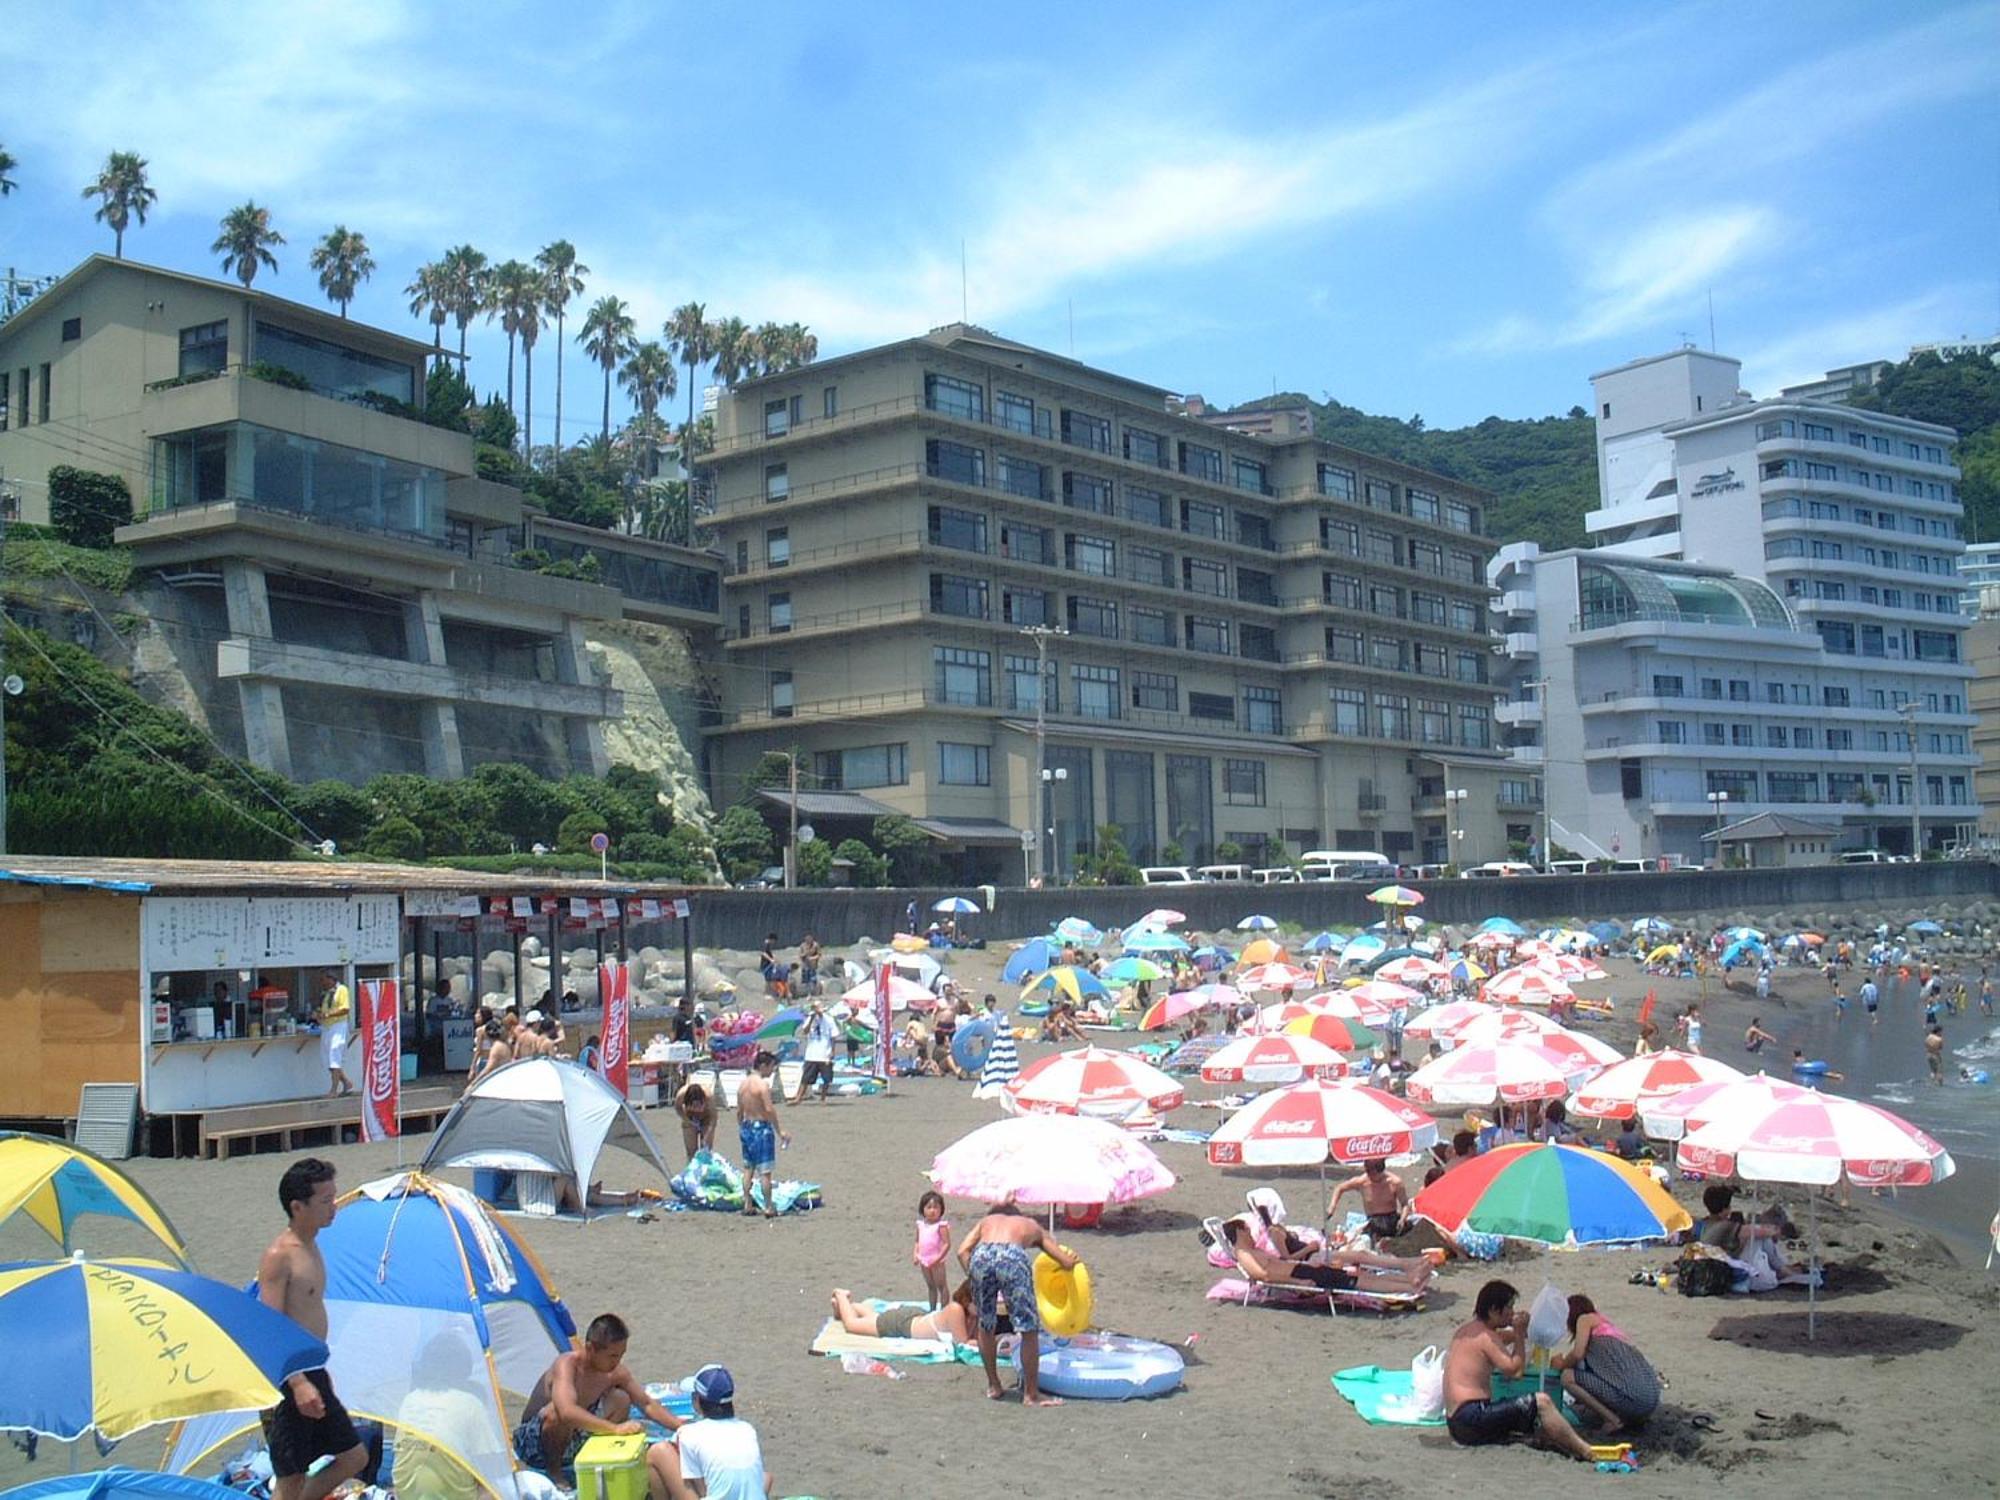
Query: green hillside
x=1543 y=471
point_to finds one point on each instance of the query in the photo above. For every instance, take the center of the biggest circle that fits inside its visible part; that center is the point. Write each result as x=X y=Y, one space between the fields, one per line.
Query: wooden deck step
x=220 y=1129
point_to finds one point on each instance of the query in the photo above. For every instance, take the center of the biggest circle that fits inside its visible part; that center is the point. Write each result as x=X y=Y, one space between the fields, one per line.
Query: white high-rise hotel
x=1773 y=582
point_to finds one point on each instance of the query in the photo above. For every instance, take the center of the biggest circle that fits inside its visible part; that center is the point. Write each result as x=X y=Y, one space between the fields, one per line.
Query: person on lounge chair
x=1339 y=1271
x=1287 y=1241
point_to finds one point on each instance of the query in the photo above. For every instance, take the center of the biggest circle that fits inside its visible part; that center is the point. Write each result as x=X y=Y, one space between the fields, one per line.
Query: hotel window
x=1201 y=463
x=1082 y=430
x=962 y=530
x=1392 y=716
x=1432 y=661
x=829 y=402
x=1433 y=722
x=1201 y=519
x=1150 y=627
x=1023 y=689
x=1792 y=786
x=1025 y=606
x=1350 y=710
x=1712 y=734
x=1159 y=692
x=1741 y=785
x=1149 y=565
x=1427 y=609
x=1028 y=544
x=1822 y=471
x=1340 y=589
x=1464 y=616
x=1336 y=482
x=1822 y=510
x=1471 y=667
x=1766 y=431
x=1670 y=732
x=1257 y=642
x=1096 y=691
x=1743 y=736
x=1840 y=739
x=863 y=767
x=1343 y=645
x=1087 y=492
x=1201 y=577
x=1206 y=634
x=954 y=594
x=1143 y=447
x=1263 y=711
x=1802 y=737
x=779 y=613
x=777 y=418
x=1017 y=414
x=1461 y=517
x=1343 y=537
x=1250 y=475
x=1018 y=476
x=781 y=695
x=1243 y=783
x=955 y=398
x=956 y=463
x=777 y=547
x=1253 y=531
x=204 y=347
x=964 y=765
x=1094 y=555
x=1935 y=645
x=1475 y=727
x=1098 y=617
x=1381 y=547
x=1148 y=506
x=1387 y=602
x=1380 y=496
x=1844 y=786
x=1814 y=433
x=1463 y=567
x=777 y=483
x=1385 y=653
x=1739 y=690
x=1219 y=707
x=1423 y=505
x=1256 y=587
x=1427 y=557
x=963 y=676
x=1777 y=737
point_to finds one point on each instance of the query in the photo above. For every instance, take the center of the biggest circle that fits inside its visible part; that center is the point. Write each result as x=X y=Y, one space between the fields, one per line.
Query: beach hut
x=440 y=1322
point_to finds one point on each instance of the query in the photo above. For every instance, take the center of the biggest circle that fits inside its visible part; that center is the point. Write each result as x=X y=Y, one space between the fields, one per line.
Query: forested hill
x=1543 y=471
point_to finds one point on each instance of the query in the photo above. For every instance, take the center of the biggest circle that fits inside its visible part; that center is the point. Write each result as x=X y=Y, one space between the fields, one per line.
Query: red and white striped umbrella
x=1506 y=1071
x=1533 y=1026
x=1526 y=986
x=1568 y=968
x=1621 y=1090
x=1413 y=969
x=1685 y=1112
x=1273 y=1059
x=1443 y=1020
x=1317 y=1121
x=1090 y=1081
x=1274 y=976
x=1369 y=1003
x=1817 y=1141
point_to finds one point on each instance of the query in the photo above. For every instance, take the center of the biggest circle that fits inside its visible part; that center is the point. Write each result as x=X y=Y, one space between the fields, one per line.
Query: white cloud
x=1807 y=353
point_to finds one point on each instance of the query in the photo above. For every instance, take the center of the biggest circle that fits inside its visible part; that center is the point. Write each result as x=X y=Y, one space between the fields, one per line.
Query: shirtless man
x=1495 y=1342
x=308 y=1422
x=758 y=1131
x=1934 y=1053
x=589 y=1391
x=1384 y=1198
x=998 y=1254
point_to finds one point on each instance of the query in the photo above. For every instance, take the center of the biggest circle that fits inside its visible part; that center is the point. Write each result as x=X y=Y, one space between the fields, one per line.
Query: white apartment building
x=1979 y=571
x=1822 y=596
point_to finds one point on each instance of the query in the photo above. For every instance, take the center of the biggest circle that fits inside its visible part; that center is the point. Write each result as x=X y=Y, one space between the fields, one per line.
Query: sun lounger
x=1240 y=1288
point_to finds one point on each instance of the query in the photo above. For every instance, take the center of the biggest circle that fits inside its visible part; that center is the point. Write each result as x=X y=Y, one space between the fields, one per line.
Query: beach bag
x=1704 y=1276
x=1427 y=1382
x=1548 y=1318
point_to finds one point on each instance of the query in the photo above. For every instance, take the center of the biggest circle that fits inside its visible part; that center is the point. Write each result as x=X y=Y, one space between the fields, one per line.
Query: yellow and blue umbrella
x=1133 y=970
x=121 y=1345
x=55 y=1184
x=1078 y=984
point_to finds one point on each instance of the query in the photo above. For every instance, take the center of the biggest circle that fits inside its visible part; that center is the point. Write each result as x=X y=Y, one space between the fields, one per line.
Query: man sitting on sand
x=589 y=1391
x=1495 y=1343
x=1384 y=1198
x=999 y=1255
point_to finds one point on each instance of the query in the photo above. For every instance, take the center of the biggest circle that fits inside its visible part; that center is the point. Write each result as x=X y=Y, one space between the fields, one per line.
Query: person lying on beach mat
x=953 y=1320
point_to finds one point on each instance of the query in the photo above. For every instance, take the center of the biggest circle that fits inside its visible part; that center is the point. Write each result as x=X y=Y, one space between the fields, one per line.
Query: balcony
x=1516 y=602
x=313 y=666
x=1518 y=711
x=234 y=396
x=1521 y=643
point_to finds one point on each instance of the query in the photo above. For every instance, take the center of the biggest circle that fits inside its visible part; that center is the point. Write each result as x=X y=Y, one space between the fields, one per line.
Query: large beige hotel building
x=1273 y=642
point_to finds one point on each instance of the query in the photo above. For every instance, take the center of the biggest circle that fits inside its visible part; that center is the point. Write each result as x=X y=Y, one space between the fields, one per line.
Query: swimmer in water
x=1815 y=1070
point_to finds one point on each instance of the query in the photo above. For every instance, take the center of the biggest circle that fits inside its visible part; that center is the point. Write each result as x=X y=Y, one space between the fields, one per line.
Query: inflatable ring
x=1082 y=1215
x=1810 y=1069
x=970 y=1044
x=1108 y=1367
x=1062 y=1297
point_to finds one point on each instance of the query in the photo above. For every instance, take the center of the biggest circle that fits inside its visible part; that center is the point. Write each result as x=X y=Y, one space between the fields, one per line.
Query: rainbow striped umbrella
x=1554 y=1195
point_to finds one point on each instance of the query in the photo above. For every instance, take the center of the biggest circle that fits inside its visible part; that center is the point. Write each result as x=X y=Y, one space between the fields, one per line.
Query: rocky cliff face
x=653 y=666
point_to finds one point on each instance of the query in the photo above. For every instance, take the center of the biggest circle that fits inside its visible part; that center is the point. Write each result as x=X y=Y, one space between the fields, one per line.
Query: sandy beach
x=1891 y=1400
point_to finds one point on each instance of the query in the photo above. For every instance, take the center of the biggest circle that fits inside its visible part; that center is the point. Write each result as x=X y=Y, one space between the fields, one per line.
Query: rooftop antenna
x=1711 y=320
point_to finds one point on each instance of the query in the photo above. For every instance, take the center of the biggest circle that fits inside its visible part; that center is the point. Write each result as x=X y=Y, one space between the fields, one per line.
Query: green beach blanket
x=1378 y=1394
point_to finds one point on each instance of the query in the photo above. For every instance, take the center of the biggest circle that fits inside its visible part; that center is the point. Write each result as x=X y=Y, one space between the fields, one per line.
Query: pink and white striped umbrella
x=1050 y=1159
x=1623 y=1089
x=1507 y=1025
x=1526 y=986
x=1317 y=1121
x=1687 y=1111
x=1274 y=976
x=1569 y=968
x=1090 y=1081
x=1510 y=1072
x=1273 y=1059
x=1413 y=969
x=1370 y=1003
x=1817 y=1141
x=1443 y=1020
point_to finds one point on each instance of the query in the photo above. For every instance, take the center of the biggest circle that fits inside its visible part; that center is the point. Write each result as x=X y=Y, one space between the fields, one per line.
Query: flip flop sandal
x=1701 y=1421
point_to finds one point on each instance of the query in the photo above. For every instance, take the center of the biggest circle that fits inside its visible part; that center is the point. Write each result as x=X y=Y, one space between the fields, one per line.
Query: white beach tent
x=540 y=1114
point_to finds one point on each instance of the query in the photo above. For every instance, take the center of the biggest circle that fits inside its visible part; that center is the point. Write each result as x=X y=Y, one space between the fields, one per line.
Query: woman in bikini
x=952 y=1321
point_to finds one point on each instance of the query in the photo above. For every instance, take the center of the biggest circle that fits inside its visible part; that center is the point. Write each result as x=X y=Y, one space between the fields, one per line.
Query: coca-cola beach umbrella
x=1091 y=1081
x=1272 y=1059
x=1318 y=1121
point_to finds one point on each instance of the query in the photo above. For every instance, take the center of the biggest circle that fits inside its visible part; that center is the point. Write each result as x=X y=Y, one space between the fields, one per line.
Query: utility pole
x=1908 y=709
x=1541 y=687
x=792 y=843
x=1041 y=635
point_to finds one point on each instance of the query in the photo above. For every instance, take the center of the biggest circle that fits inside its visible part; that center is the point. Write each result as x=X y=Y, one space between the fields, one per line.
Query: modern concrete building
x=1983 y=651
x=956 y=562
x=1849 y=520
x=1979 y=571
x=341 y=590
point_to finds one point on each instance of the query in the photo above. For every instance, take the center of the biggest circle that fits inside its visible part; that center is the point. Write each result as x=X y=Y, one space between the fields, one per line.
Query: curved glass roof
x=1625 y=591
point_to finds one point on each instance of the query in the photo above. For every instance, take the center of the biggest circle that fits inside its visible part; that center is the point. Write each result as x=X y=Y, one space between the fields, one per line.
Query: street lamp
x=1049 y=780
x=1716 y=800
x=1453 y=834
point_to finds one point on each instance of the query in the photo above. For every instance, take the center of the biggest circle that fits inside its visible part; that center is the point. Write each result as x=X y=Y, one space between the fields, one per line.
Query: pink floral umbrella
x=1621 y=1090
x=1273 y=1059
x=1314 y=1122
x=1050 y=1159
x=1090 y=1081
x=1513 y=1072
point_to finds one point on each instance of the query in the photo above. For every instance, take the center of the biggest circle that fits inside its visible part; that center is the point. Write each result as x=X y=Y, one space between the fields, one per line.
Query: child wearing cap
x=719 y=1451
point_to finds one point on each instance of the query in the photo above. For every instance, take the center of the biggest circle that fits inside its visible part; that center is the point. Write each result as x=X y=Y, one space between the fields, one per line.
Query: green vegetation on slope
x=1962 y=393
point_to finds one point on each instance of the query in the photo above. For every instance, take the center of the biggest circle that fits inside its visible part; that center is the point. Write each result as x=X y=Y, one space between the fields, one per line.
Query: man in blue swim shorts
x=1495 y=1342
x=758 y=1131
x=999 y=1255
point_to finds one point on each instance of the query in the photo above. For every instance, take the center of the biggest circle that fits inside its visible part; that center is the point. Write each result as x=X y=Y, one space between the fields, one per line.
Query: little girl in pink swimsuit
x=933 y=1245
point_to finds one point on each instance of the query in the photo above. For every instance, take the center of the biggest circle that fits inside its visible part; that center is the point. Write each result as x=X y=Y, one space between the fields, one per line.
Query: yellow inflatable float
x=1062 y=1297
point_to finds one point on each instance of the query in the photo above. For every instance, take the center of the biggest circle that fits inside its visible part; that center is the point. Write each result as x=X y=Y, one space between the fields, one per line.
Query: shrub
x=578 y=829
x=912 y=853
x=334 y=810
x=395 y=837
x=448 y=398
x=493 y=425
x=742 y=842
x=86 y=507
x=282 y=375
x=815 y=863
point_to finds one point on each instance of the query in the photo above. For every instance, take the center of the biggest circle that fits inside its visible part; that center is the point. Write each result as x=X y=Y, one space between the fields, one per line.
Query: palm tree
x=245 y=242
x=7 y=164
x=466 y=274
x=528 y=325
x=126 y=194
x=734 y=356
x=564 y=279
x=607 y=334
x=510 y=286
x=429 y=292
x=692 y=342
x=648 y=376
x=343 y=263
x=803 y=343
x=773 y=349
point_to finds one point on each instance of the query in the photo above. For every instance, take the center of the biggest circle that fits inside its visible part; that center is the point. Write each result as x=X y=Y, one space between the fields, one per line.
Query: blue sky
x=1452 y=210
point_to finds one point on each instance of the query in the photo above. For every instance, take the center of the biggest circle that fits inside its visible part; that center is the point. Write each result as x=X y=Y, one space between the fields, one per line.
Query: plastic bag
x=1548 y=1318
x=1427 y=1382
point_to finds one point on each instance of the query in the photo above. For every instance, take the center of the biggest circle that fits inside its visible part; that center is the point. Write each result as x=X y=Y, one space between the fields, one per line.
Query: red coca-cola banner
x=381 y=1039
x=884 y=1037
x=614 y=983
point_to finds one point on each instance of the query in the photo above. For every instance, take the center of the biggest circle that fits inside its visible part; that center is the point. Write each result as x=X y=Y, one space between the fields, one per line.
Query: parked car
x=1277 y=875
x=770 y=878
x=1166 y=875
x=1229 y=873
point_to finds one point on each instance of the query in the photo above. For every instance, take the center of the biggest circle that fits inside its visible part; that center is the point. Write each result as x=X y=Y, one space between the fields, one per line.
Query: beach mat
x=1378 y=1394
x=834 y=1341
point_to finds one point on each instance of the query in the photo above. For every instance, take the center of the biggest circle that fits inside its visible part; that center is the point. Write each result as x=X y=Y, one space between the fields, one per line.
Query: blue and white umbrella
x=1148 y=941
x=1506 y=926
x=958 y=905
x=1322 y=942
x=1362 y=948
x=1652 y=924
x=1925 y=927
x=1076 y=930
x=1210 y=957
x=1257 y=922
x=1028 y=960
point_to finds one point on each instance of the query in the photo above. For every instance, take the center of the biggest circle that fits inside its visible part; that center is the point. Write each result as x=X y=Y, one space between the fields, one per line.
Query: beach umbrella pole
x=1812 y=1273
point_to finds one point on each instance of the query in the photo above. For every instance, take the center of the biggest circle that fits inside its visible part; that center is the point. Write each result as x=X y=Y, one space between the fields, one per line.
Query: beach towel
x=834 y=1341
x=709 y=1181
x=1386 y=1399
